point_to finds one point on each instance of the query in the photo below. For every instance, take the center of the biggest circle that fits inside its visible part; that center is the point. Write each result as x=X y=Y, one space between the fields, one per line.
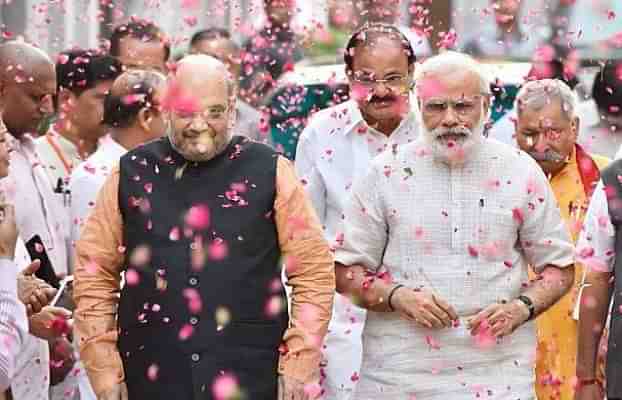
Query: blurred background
x=590 y=26
x=571 y=40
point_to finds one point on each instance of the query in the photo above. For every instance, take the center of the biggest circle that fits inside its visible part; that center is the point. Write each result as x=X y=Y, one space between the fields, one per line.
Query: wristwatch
x=527 y=301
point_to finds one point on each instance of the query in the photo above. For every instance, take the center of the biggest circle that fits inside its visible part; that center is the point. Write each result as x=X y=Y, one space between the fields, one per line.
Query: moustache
x=375 y=99
x=549 y=155
x=440 y=132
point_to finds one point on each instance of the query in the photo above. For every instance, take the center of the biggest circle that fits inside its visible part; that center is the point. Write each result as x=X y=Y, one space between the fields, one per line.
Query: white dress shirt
x=467 y=233
x=54 y=151
x=335 y=148
x=596 y=244
x=13 y=323
x=31 y=380
x=86 y=180
x=39 y=211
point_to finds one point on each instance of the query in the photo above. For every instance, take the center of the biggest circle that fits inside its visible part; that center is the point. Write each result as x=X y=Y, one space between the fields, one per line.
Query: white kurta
x=334 y=149
x=468 y=233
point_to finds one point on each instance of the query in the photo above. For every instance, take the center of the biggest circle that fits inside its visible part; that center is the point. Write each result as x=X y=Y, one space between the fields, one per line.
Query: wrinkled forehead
x=448 y=83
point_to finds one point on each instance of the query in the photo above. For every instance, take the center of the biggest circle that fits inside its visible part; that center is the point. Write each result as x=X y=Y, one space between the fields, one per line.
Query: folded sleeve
x=96 y=289
x=544 y=236
x=364 y=230
x=596 y=244
x=310 y=272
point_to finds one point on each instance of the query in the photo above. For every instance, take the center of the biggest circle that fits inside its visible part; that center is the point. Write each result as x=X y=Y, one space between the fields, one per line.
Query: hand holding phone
x=68 y=280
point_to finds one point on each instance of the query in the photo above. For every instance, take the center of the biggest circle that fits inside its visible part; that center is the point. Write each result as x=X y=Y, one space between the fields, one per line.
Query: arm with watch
x=426 y=308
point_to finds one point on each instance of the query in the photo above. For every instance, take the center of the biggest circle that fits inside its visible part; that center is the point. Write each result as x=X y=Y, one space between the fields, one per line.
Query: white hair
x=451 y=60
x=534 y=95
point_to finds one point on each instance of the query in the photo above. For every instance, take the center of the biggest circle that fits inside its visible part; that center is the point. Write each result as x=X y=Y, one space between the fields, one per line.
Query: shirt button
x=194 y=320
x=195 y=357
x=193 y=281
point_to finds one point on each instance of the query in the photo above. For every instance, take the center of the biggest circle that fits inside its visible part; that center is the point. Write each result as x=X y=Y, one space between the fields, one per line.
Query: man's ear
x=144 y=118
x=575 y=127
x=65 y=99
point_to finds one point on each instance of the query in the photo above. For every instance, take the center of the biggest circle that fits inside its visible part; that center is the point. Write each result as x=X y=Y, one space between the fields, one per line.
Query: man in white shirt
x=13 y=319
x=132 y=111
x=437 y=238
x=336 y=147
x=83 y=78
x=28 y=80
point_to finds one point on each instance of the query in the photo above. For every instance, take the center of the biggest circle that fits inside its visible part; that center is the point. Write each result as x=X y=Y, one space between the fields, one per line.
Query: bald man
x=27 y=84
x=203 y=219
x=217 y=42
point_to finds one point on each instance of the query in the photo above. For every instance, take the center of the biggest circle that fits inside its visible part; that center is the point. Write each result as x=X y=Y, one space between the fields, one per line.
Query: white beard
x=453 y=150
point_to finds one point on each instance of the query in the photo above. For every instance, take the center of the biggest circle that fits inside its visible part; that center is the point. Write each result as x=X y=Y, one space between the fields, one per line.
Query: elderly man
x=337 y=146
x=436 y=241
x=28 y=80
x=217 y=42
x=547 y=129
x=203 y=219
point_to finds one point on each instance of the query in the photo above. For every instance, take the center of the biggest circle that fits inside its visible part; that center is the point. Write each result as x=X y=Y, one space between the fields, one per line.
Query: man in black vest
x=600 y=240
x=200 y=222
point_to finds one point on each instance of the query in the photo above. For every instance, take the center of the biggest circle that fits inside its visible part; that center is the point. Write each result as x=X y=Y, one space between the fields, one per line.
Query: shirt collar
x=356 y=119
x=111 y=147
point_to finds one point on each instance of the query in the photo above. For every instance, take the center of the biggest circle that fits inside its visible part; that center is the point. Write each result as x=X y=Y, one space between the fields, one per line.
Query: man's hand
x=589 y=392
x=62 y=360
x=293 y=389
x=424 y=308
x=8 y=231
x=32 y=291
x=501 y=319
x=50 y=323
x=118 y=392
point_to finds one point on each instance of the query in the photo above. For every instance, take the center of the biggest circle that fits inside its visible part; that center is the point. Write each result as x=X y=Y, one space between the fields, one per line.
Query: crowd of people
x=154 y=244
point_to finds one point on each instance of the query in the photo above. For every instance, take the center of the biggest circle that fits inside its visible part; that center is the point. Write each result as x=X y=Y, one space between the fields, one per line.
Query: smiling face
x=201 y=129
x=381 y=59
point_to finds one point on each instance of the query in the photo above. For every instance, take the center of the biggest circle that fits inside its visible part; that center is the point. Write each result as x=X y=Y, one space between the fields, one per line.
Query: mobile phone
x=46 y=272
x=64 y=284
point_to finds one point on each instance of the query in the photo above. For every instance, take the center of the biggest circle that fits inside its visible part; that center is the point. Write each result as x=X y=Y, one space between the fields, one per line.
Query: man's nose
x=450 y=118
x=381 y=89
x=199 y=124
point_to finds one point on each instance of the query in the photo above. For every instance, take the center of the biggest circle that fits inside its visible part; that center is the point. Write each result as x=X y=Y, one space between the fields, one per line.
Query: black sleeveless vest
x=200 y=286
x=614 y=350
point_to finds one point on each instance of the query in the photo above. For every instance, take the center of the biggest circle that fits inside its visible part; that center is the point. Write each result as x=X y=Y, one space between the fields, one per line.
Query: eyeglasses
x=394 y=82
x=463 y=106
x=214 y=113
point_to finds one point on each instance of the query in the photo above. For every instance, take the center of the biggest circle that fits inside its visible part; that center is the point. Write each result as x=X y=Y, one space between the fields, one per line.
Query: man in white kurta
x=336 y=147
x=456 y=219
